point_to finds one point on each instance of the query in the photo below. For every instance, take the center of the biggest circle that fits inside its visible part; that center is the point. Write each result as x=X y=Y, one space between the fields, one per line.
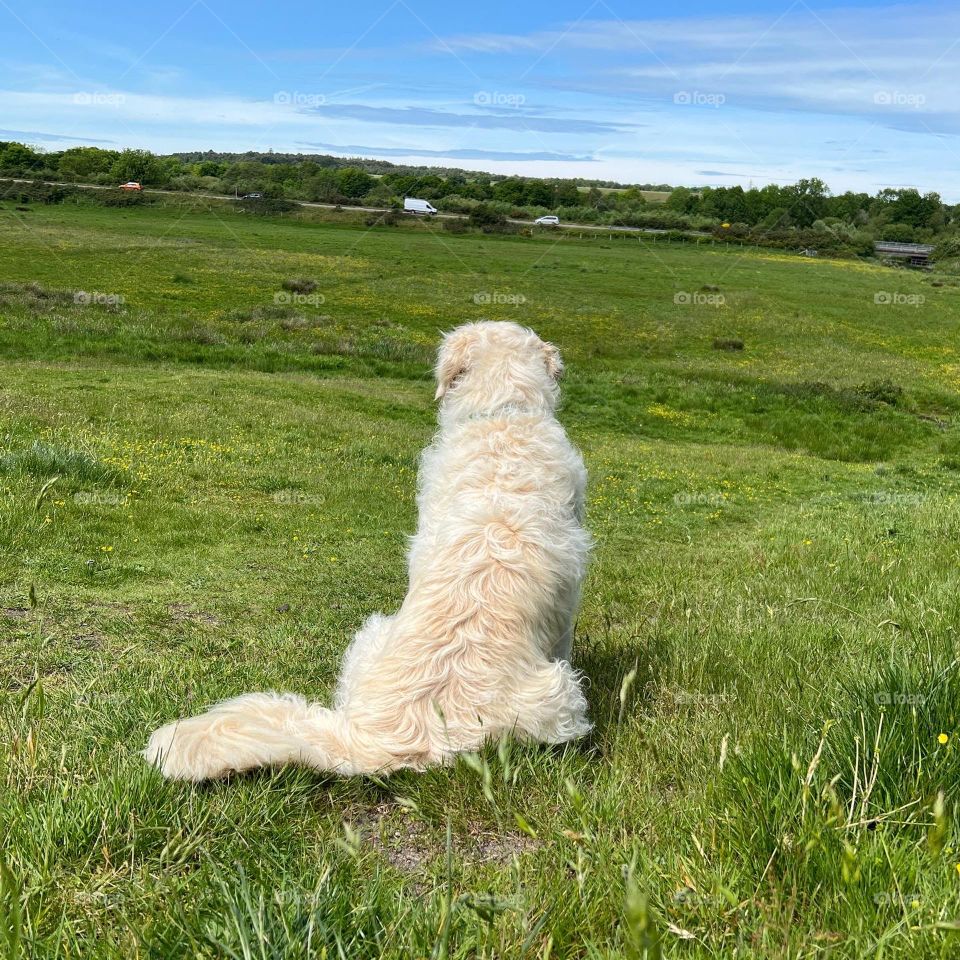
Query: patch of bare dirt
x=22 y=674
x=89 y=639
x=184 y=613
x=409 y=845
x=405 y=846
x=115 y=605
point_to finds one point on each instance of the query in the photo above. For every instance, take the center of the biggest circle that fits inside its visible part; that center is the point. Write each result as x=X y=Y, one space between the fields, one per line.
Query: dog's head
x=491 y=364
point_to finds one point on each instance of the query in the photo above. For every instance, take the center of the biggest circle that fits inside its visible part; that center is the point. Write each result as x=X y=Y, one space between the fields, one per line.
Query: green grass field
x=206 y=484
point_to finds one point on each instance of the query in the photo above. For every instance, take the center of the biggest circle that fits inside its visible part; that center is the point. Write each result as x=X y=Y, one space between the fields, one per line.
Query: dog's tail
x=258 y=730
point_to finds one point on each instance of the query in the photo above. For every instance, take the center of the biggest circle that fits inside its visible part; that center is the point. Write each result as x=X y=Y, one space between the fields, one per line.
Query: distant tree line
x=901 y=215
x=803 y=214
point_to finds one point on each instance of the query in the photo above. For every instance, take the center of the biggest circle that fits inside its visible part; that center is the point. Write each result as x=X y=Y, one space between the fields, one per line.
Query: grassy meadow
x=209 y=431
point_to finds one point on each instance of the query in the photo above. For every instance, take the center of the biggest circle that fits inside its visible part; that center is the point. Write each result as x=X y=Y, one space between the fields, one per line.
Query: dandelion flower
x=943 y=738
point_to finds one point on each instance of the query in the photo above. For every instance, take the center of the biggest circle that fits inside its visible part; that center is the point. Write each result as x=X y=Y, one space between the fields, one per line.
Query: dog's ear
x=551 y=357
x=452 y=361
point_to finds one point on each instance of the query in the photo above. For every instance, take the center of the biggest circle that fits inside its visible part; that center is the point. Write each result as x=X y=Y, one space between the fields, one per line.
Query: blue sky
x=864 y=95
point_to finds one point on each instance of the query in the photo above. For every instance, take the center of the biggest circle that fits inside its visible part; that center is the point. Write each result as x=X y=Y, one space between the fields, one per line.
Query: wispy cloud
x=455 y=153
x=885 y=63
x=517 y=119
x=42 y=136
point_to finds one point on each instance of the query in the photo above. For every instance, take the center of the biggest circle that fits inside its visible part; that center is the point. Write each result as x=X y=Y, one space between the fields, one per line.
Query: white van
x=412 y=205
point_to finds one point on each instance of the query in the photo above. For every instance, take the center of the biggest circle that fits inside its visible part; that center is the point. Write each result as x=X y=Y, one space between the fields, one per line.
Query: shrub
x=37 y=193
x=453 y=203
x=864 y=397
x=133 y=198
x=660 y=218
x=265 y=207
x=947 y=249
x=881 y=391
x=39 y=292
x=486 y=217
x=268 y=312
x=299 y=285
x=898 y=233
x=389 y=218
x=296 y=322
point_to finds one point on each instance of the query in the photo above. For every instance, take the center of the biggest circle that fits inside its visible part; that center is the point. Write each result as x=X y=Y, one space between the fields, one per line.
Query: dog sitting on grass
x=480 y=647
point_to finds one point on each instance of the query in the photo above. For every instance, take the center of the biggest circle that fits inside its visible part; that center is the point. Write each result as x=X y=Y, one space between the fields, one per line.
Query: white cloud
x=885 y=61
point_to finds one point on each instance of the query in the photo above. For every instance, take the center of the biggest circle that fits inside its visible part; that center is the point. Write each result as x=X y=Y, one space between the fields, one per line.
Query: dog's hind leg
x=258 y=730
x=549 y=704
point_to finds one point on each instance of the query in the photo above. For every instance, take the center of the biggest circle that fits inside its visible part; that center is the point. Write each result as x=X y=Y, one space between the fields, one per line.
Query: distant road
x=343 y=206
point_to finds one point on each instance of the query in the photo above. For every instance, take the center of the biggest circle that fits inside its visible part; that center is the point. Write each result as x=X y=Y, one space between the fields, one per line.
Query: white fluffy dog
x=481 y=645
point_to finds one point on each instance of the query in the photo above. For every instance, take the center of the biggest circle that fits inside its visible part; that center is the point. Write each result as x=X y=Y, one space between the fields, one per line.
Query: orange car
x=130 y=185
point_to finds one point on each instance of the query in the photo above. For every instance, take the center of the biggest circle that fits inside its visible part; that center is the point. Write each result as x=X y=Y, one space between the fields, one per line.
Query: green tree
x=477 y=190
x=897 y=232
x=567 y=194
x=807 y=201
x=511 y=190
x=540 y=193
x=19 y=158
x=916 y=210
x=323 y=187
x=683 y=200
x=82 y=163
x=210 y=168
x=354 y=182
x=139 y=165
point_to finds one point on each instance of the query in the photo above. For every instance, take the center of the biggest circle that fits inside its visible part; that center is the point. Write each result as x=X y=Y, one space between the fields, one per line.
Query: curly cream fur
x=480 y=646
